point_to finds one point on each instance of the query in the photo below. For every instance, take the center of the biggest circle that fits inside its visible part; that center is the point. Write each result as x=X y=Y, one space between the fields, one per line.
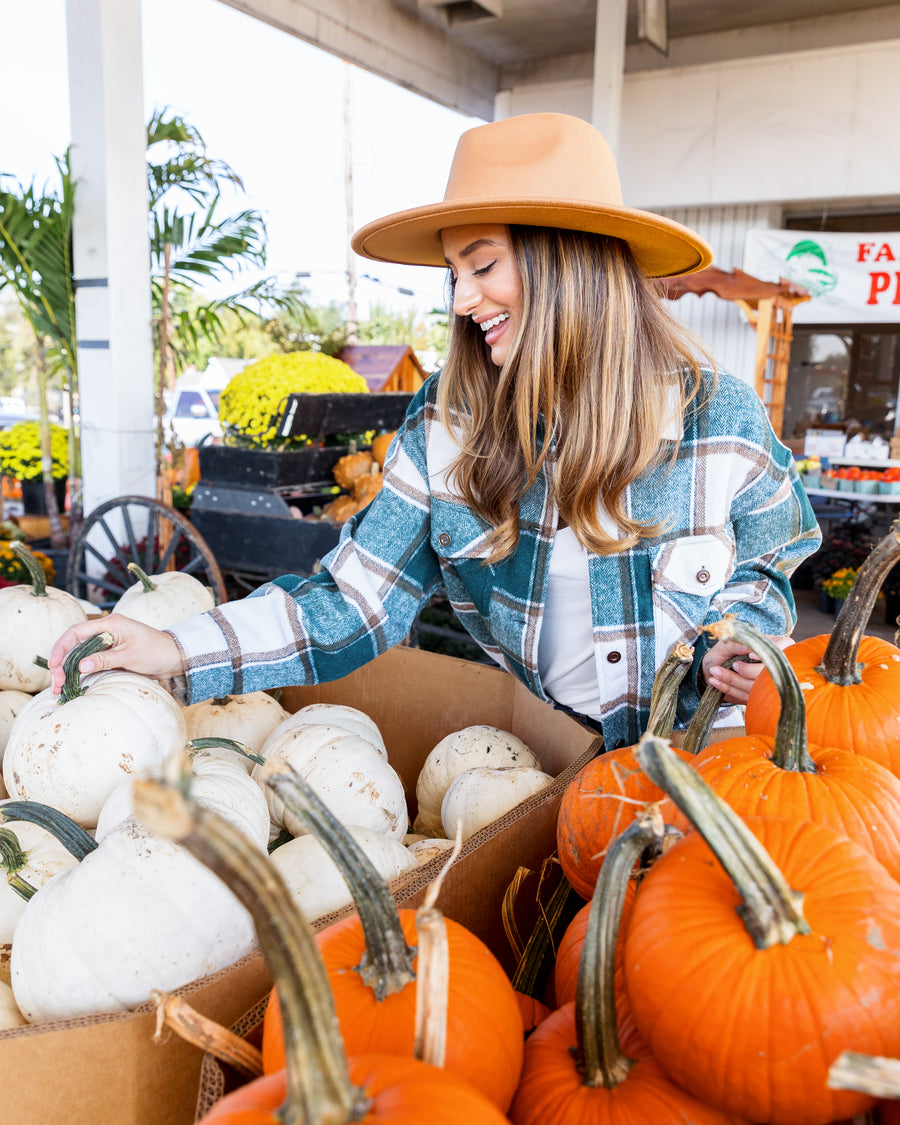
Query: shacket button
x=614 y=657
x=444 y=539
x=703 y=575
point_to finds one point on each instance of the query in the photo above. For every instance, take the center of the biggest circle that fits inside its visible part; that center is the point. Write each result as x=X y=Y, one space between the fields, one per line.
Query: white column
x=609 y=68
x=111 y=252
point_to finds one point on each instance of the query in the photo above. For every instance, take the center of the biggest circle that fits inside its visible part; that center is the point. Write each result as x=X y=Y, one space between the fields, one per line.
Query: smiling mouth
x=487 y=325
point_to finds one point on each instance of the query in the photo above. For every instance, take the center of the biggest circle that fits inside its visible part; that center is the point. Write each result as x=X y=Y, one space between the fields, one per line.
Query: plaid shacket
x=737 y=523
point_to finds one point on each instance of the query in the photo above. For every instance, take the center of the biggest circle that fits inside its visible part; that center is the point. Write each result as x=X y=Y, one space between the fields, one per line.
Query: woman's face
x=487 y=286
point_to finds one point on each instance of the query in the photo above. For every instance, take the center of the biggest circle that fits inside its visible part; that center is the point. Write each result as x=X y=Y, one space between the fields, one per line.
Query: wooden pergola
x=769 y=307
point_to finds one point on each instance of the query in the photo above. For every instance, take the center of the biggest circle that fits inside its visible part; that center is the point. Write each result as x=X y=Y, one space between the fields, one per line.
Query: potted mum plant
x=20 y=459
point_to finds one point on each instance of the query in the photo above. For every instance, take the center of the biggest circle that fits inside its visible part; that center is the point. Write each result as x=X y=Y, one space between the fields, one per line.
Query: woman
x=584 y=489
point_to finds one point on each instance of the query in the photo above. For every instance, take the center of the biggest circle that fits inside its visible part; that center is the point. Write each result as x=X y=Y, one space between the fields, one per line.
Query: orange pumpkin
x=600 y=800
x=352 y=466
x=759 y=775
x=317 y=1084
x=851 y=682
x=371 y=965
x=366 y=488
x=565 y=969
x=758 y=957
x=584 y=1064
x=341 y=508
x=380 y=446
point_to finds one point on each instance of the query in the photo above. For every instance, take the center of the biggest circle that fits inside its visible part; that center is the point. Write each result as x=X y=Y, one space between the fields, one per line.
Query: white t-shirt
x=566 y=656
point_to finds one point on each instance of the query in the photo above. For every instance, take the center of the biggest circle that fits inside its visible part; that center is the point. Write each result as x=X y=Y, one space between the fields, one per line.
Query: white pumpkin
x=314 y=879
x=44 y=857
x=336 y=715
x=11 y=703
x=10 y=1016
x=217 y=784
x=137 y=914
x=32 y=617
x=482 y=795
x=426 y=848
x=249 y=719
x=479 y=745
x=164 y=599
x=72 y=754
x=352 y=778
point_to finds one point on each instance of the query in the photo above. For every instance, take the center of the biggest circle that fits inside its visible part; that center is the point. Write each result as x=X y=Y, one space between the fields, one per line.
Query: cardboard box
x=107 y=1068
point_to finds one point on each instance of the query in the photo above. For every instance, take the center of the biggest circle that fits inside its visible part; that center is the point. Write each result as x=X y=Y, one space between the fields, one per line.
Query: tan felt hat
x=539 y=169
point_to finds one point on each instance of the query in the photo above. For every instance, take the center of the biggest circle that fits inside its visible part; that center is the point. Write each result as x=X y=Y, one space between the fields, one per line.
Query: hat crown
x=538 y=156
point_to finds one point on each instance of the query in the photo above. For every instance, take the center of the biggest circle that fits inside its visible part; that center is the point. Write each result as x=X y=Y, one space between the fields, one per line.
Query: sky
x=271 y=106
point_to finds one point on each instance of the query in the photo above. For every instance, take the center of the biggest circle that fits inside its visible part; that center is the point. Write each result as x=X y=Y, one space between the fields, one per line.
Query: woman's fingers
x=135 y=647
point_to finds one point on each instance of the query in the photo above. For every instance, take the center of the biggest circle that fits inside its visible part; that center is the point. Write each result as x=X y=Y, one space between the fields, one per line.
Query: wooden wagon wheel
x=141 y=530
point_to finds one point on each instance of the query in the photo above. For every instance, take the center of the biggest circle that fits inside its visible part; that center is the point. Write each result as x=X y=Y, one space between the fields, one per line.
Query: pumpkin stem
x=72 y=688
x=35 y=570
x=387 y=964
x=228 y=744
x=666 y=682
x=211 y=1037
x=869 y=1074
x=71 y=835
x=601 y=1060
x=771 y=911
x=141 y=575
x=790 y=750
x=13 y=858
x=433 y=984
x=839 y=662
x=318 y=1082
x=699 y=728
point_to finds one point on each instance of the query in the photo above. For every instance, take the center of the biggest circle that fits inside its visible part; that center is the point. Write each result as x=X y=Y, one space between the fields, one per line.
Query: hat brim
x=661 y=247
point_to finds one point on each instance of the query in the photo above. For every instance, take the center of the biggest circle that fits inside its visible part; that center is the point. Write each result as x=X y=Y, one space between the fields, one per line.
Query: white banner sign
x=851 y=278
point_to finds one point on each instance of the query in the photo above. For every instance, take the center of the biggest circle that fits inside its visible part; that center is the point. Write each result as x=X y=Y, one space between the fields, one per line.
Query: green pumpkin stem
x=790 y=750
x=664 y=695
x=699 y=729
x=239 y=748
x=318 y=1083
x=13 y=858
x=72 y=688
x=387 y=965
x=770 y=910
x=601 y=1060
x=71 y=835
x=35 y=570
x=141 y=575
x=840 y=661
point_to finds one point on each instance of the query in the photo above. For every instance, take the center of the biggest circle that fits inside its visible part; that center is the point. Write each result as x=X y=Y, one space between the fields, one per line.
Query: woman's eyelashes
x=485 y=269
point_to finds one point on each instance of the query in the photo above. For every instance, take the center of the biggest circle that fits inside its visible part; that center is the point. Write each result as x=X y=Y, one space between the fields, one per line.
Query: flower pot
x=33 y=500
x=838 y=605
x=826 y=602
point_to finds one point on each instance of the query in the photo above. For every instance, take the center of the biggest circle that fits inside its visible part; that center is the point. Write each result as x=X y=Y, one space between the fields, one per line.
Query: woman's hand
x=735 y=683
x=136 y=648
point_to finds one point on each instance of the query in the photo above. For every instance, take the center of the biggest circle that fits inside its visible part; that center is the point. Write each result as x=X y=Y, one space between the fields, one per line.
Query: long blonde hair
x=596 y=363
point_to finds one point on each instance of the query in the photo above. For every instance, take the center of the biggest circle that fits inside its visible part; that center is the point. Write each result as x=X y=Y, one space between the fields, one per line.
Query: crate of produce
x=109 y=1068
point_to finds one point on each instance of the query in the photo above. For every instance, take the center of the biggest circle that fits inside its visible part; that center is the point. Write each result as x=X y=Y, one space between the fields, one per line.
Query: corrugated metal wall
x=720 y=325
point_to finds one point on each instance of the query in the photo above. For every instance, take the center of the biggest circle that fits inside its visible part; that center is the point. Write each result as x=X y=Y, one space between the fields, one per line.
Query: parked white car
x=193 y=415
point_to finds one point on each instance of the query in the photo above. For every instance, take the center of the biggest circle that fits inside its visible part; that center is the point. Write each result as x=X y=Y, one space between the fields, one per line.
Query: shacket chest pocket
x=459 y=539
x=687 y=573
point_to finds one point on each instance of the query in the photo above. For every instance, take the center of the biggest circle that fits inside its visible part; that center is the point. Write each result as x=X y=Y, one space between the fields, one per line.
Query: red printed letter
x=880 y=282
x=884 y=252
x=865 y=248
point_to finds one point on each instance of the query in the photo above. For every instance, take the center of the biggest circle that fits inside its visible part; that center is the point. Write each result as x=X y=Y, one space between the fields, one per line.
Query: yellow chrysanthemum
x=20 y=451
x=255 y=396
